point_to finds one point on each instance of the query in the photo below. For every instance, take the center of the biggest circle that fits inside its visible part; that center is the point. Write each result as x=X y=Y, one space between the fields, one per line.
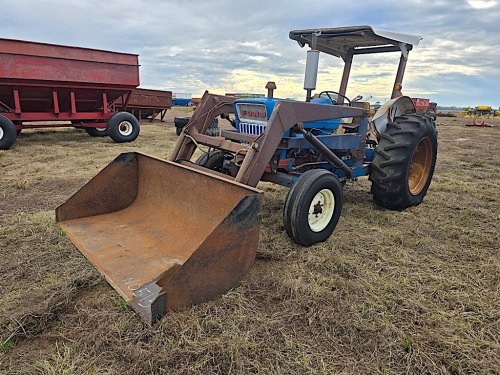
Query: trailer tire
x=8 y=133
x=213 y=129
x=212 y=160
x=313 y=207
x=96 y=132
x=123 y=127
x=179 y=123
x=404 y=162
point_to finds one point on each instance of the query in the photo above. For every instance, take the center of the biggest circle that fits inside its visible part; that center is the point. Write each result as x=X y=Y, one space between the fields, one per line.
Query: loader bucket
x=164 y=235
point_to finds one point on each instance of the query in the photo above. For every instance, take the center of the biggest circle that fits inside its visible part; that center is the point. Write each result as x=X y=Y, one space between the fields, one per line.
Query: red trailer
x=65 y=86
x=146 y=103
x=425 y=106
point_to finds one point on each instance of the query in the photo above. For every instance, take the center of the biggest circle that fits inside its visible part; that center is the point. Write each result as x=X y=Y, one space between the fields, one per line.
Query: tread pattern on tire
x=390 y=166
x=211 y=160
x=213 y=129
x=181 y=121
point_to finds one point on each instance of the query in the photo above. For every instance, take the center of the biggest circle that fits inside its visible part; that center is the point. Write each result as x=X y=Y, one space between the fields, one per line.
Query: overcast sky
x=237 y=46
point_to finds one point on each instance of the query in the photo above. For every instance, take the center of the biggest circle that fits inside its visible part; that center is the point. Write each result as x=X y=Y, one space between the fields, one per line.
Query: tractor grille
x=254 y=129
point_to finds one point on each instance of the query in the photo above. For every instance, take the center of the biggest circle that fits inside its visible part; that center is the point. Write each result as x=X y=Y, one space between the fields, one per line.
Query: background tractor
x=185 y=230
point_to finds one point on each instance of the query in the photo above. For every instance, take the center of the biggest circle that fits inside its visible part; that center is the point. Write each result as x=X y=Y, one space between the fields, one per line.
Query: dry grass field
x=413 y=292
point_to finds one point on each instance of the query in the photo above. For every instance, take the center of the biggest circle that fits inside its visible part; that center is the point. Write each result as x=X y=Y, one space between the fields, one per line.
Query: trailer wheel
x=97 y=132
x=123 y=127
x=404 y=162
x=213 y=129
x=313 y=207
x=179 y=123
x=8 y=133
x=213 y=160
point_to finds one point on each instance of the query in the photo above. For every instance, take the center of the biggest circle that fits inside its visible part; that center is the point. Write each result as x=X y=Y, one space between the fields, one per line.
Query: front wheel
x=123 y=127
x=8 y=133
x=404 y=162
x=313 y=207
x=213 y=160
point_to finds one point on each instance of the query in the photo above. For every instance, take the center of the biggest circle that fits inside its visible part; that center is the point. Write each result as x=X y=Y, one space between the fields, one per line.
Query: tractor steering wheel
x=328 y=92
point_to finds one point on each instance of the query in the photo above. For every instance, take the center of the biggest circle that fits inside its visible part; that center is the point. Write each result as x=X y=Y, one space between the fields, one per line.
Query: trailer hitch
x=333 y=159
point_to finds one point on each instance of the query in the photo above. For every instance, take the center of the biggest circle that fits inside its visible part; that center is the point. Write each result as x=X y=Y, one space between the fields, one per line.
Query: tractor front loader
x=169 y=234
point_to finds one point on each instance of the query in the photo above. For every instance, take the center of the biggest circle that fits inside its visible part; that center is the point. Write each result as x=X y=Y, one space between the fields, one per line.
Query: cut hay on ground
x=413 y=292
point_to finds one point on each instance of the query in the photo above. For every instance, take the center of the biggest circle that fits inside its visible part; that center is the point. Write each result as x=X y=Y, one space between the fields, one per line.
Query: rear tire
x=123 y=127
x=404 y=162
x=8 y=133
x=313 y=207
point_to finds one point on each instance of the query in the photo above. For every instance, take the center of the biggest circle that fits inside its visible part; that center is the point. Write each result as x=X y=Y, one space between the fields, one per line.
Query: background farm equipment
x=479 y=123
x=425 y=106
x=181 y=100
x=480 y=111
x=478 y=114
x=65 y=86
x=145 y=103
x=168 y=234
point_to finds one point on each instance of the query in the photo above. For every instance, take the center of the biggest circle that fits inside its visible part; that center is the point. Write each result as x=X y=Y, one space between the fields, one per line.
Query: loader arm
x=210 y=107
x=257 y=150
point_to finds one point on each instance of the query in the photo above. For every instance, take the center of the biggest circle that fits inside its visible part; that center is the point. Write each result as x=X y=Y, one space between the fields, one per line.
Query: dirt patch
x=414 y=291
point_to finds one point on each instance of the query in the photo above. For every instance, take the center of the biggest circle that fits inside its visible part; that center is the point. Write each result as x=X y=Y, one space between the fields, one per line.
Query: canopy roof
x=341 y=41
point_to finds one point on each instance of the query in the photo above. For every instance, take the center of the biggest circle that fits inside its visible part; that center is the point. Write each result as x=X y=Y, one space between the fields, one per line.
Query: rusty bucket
x=164 y=235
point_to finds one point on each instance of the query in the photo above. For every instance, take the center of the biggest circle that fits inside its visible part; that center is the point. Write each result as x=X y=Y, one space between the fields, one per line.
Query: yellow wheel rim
x=420 y=166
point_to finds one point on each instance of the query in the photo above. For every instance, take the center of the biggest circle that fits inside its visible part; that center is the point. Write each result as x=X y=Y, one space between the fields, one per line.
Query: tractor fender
x=389 y=111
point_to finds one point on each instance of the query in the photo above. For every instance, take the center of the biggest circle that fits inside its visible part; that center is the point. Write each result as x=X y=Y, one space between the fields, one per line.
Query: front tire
x=8 y=133
x=213 y=160
x=123 y=127
x=404 y=162
x=313 y=207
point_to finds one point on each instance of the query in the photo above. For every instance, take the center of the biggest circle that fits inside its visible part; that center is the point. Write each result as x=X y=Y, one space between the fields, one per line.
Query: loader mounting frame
x=258 y=150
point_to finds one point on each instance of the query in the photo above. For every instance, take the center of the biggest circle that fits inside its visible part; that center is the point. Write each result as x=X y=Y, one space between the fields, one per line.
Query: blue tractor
x=313 y=147
x=171 y=233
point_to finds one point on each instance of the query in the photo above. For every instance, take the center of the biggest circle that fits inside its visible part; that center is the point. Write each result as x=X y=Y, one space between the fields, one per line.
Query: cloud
x=481 y=4
x=224 y=45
